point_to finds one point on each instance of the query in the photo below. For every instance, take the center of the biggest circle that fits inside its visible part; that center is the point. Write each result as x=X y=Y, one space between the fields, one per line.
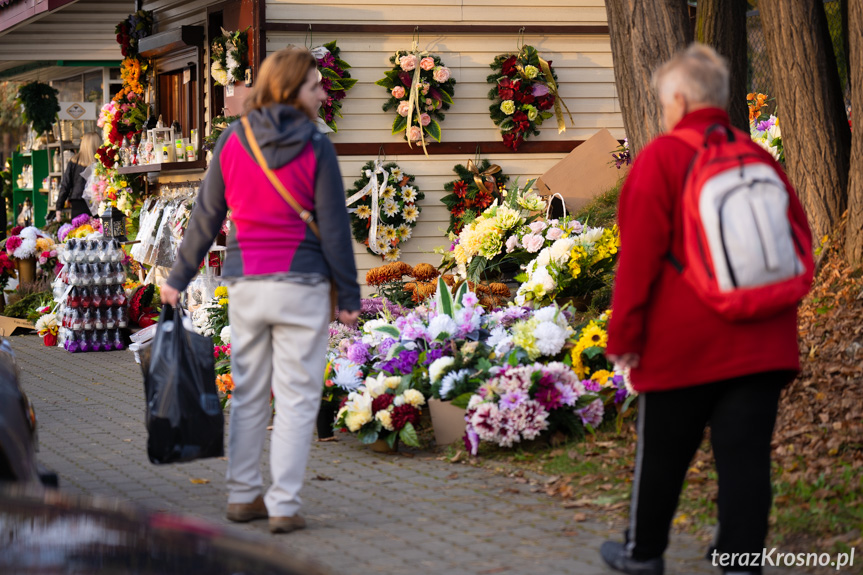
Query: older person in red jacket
x=691 y=367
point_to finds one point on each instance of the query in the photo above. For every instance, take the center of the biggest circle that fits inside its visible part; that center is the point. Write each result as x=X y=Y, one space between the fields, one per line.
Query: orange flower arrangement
x=225 y=383
x=388 y=273
x=756 y=102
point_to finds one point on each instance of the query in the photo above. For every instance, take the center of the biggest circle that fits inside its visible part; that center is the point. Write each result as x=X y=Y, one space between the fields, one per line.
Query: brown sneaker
x=243 y=512
x=286 y=524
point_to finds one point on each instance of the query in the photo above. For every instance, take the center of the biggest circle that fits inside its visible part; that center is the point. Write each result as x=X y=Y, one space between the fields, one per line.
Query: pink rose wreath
x=420 y=89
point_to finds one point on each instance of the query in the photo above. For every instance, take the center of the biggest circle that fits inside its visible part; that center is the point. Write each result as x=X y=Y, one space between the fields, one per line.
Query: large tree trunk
x=854 y=240
x=643 y=36
x=721 y=24
x=815 y=132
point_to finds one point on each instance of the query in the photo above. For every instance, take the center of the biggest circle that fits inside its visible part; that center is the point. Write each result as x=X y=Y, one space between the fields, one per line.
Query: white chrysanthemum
x=410 y=213
x=29 y=233
x=550 y=338
x=27 y=249
x=225 y=335
x=395 y=175
x=364 y=212
x=414 y=397
x=388 y=193
x=386 y=419
x=409 y=194
x=438 y=366
x=451 y=379
x=543 y=259
x=507 y=218
x=547 y=313
x=405 y=232
x=560 y=249
x=219 y=74
x=442 y=324
x=388 y=233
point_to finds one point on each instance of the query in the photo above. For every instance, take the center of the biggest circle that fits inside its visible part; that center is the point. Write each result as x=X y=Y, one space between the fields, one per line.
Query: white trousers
x=279 y=334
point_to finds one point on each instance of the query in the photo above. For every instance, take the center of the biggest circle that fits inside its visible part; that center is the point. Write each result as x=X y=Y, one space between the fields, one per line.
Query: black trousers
x=741 y=413
x=79 y=207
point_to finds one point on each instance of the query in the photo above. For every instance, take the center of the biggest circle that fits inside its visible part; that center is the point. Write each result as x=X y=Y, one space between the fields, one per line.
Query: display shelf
x=197 y=165
x=39 y=161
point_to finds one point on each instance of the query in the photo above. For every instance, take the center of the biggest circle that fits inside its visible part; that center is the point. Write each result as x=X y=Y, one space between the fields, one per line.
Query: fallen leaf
x=320 y=477
x=127 y=440
x=198 y=481
x=452 y=476
x=577 y=503
x=459 y=455
x=328 y=439
x=579 y=517
x=510 y=490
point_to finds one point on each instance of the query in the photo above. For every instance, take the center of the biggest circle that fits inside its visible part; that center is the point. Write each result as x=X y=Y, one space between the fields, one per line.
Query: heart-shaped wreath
x=335 y=79
x=421 y=88
x=384 y=208
x=476 y=188
x=525 y=90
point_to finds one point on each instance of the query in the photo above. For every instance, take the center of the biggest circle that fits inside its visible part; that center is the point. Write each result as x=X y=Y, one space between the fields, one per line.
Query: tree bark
x=643 y=36
x=815 y=133
x=721 y=24
x=854 y=238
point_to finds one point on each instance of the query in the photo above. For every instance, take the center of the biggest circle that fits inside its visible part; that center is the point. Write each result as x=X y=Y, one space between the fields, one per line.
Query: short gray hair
x=698 y=72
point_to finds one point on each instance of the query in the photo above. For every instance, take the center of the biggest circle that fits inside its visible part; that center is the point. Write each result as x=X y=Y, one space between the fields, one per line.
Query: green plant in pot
x=40 y=105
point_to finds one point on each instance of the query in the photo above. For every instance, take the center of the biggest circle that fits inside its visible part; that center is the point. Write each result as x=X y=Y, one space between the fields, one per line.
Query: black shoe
x=615 y=557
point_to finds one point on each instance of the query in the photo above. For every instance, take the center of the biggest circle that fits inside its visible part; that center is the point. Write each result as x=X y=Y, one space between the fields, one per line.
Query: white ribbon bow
x=376 y=191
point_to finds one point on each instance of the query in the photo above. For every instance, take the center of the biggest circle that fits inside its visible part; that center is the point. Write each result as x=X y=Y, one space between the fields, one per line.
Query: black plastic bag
x=184 y=417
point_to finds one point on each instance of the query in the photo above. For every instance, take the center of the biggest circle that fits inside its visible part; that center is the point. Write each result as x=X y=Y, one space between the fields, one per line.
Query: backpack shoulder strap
x=305 y=215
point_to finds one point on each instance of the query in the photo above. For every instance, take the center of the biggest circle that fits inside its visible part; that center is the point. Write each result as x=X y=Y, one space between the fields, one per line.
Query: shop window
x=178 y=98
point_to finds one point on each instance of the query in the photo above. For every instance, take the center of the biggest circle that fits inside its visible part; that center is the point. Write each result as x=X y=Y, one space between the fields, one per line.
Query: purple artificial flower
x=765 y=125
x=385 y=346
x=358 y=353
x=79 y=221
x=512 y=399
x=471 y=440
x=548 y=395
x=567 y=394
x=591 y=385
x=433 y=354
x=620 y=395
x=407 y=360
x=539 y=90
x=592 y=414
x=64 y=231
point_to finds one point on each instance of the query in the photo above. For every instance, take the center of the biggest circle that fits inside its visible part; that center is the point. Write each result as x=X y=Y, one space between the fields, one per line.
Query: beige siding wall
x=439 y=12
x=583 y=64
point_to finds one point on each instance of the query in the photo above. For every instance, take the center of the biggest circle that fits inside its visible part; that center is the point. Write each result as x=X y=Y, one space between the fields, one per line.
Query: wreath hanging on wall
x=335 y=79
x=420 y=89
x=40 y=105
x=524 y=93
x=478 y=185
x=229 y=53
x=384 y=208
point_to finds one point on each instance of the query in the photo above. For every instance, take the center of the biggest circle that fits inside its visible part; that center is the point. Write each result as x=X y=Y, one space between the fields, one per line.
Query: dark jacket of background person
x=268 y=238
x=656 y=313
x=72 y=189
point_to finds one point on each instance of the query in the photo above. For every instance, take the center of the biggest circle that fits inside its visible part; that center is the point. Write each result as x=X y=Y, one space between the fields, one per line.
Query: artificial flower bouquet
x=571 y=260
x=47 y=327
x=224 y=379
x=402 y=284
x=23 y=243
x=420 y=88
x=335 y=79
x=80 y=227
x=764 y=127
x=596 y=372
x=480 y=247
x=7 y=271
x=478 y=185
x=211 y=319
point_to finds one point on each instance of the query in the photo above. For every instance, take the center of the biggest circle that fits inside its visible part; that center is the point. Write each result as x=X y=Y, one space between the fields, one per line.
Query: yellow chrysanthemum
x=223 y=302
x=393 y=255
x=389 y=233
x=577 y=364
x=221 y=292
x=388 y=193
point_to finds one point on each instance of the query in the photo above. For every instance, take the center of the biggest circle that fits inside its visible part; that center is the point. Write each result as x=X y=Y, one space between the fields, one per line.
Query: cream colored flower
x=390 y=208
x=392 y=382
x=531 y=72
x=393 y=255
x=410 y=213
x=364 y=212
x=438 y=366
x=389 y=233
x=386 y=419
x=405 y=232
x=414 y=397
x=409 y=194
x=508 y=107
x=356 y=419
x=388 y=193
x=395 y=175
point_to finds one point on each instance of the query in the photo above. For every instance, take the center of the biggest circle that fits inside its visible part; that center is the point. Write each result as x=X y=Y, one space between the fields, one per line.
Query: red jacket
x=656 y=314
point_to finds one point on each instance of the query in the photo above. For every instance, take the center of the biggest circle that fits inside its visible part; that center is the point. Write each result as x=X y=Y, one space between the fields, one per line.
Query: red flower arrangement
x=7 y=269
x=404 y=414
x=524 y=92
x=476 y=188
x=335 y=79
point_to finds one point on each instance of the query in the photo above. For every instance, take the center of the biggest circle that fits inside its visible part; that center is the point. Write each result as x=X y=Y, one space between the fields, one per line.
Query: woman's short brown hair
x=281 y=76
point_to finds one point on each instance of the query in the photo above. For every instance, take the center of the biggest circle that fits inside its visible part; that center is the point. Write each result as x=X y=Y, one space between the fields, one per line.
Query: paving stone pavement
x=367 y=512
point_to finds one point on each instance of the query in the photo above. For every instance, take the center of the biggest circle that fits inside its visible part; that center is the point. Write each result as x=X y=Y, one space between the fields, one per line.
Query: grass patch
x=602 y=210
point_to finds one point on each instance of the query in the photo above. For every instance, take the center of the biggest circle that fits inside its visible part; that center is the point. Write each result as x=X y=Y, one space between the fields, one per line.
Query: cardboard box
x=584 y=173
x=447 y=421
x=8 y=325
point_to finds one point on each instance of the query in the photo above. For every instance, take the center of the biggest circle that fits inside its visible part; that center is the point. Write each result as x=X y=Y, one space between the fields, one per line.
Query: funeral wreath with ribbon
x=230 y=52
x=420 y=89
x=524 y=92
x=335 y=79
x=384 y=208
x=478 y=185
